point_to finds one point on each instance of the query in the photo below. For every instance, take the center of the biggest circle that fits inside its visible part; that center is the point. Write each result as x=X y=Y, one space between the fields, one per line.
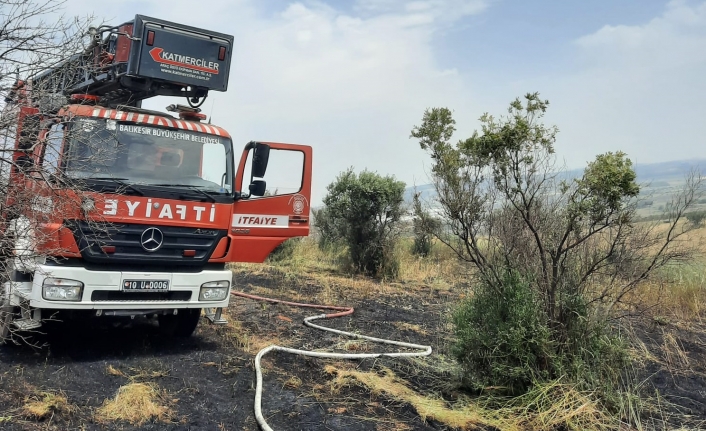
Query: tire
x=182 y=325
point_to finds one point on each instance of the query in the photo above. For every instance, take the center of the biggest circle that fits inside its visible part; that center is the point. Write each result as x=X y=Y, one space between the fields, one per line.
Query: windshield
x=148 y=155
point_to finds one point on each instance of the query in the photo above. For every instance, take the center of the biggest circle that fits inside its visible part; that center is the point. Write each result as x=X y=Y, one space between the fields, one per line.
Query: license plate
x=146 y=285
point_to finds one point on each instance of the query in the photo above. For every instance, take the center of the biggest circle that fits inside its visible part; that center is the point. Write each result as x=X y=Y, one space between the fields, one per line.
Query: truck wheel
x=181 y=325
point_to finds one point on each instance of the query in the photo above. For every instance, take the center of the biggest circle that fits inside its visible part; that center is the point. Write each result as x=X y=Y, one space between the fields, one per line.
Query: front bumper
x=103 y=290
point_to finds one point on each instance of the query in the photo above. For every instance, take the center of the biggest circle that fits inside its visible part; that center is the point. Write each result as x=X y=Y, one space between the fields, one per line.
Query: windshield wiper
x=120 y=181
x=190 y=187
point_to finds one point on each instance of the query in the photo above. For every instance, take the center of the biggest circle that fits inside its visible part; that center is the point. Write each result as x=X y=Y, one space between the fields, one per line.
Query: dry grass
x=440 y=270
x=112 y=371
x=307 y=257
x=233 y=332
x=46 y=404
x=236 y=335
x=549 y=406
x=144 y=373
x=293 y=382
x=390 y=386
x=405 y=326
x=309 y=265
x=137 y=404
x=675 y=293
x=331 y=288
x=555 y=405
x=673 y=352
x=136 y=374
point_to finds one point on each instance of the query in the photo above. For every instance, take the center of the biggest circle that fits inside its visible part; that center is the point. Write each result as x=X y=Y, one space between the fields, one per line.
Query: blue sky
x=351 y=78
x=531 y=34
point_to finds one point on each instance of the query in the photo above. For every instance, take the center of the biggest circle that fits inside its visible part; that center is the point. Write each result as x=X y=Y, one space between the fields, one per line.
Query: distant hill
x=651 y=175
x=660 y=172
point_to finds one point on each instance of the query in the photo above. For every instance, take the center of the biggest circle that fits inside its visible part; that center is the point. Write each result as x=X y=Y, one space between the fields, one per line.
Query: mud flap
x=215 y=315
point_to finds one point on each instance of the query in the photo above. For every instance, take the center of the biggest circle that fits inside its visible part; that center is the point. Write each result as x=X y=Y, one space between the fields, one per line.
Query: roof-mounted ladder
x=139 y=59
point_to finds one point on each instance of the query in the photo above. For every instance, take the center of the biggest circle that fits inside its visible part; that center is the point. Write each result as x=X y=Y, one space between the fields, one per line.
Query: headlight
x=61 y=289
x=214 y=291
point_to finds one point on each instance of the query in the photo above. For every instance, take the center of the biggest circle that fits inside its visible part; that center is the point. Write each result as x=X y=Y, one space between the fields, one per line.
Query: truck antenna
x=211 y=113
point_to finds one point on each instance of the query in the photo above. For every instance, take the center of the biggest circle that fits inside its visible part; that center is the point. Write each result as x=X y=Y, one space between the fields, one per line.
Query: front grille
x=143 y=266
x=126 y=238
x=113 y=295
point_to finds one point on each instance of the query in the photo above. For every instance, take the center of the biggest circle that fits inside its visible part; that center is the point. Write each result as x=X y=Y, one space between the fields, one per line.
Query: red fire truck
x=138 y=212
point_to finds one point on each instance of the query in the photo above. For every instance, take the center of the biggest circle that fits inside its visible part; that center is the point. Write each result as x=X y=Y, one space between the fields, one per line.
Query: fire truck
x=138 y=212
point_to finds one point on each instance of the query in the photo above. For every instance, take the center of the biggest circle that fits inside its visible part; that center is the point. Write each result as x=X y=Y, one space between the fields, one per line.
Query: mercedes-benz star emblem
x=152 y=239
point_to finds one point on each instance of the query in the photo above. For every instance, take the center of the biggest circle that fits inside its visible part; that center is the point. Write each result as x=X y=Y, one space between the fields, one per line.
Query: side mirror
x=261 y=154
x=258 y=188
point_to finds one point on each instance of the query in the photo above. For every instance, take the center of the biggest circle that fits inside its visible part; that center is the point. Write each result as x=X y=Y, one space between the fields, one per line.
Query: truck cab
x=141 y=211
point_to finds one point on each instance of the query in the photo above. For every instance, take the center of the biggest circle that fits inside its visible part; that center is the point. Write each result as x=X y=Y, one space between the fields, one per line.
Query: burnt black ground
x=680 y=383
x=209 y=378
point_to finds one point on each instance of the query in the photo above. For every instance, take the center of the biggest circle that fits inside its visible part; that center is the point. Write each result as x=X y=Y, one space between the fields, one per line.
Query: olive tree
x=556 y=256
x=365 y=210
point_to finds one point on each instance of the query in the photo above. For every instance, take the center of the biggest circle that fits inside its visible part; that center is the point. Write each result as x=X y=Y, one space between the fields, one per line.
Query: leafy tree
x=574 y=243
x=364 y=210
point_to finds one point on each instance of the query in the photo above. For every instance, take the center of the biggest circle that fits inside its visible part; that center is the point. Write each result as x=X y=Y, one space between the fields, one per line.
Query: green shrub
x=504 y=341
x=696 y=218
x=422 y=244
x=284 y=251
x=502 y=337
x=424 y=227
x=327 y=232
x=363 y=211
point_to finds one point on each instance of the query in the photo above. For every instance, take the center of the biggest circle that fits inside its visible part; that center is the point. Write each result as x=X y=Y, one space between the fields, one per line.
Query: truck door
x=274 y=181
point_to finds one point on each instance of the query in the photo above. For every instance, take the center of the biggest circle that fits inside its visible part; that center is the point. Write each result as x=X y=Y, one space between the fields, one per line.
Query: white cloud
x=431 y=9
x=671 y=40
x=351 y=84
x=639 y=89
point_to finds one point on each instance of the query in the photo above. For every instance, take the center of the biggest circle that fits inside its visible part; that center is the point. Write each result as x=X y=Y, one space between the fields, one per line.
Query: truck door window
x=284 y=175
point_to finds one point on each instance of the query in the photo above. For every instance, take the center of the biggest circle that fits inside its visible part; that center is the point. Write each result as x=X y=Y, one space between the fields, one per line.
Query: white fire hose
x=342 y=311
